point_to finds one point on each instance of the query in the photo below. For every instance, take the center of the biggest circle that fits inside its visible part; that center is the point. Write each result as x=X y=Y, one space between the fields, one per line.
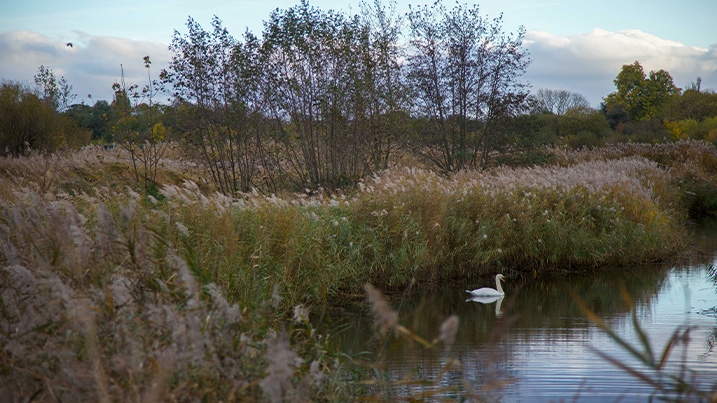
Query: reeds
x=112 y=293
x=100 y=307
x=667 y=382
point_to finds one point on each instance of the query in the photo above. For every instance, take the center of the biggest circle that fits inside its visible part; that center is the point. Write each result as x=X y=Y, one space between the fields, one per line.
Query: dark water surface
x=538 y=344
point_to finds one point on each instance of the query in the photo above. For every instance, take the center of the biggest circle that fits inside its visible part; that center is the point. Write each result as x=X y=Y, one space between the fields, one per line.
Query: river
x=536 y=345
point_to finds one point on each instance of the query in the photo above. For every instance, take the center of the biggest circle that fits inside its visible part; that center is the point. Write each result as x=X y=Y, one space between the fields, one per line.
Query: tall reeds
x=110 y=292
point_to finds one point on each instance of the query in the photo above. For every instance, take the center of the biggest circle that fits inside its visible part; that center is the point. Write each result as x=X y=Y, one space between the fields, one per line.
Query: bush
x=27 y=123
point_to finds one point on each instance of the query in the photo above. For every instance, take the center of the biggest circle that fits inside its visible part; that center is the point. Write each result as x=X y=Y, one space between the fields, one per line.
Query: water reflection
x=489 y=300
x=536 y=344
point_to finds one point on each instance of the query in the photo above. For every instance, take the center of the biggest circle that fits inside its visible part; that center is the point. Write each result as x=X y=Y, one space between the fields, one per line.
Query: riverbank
x=102 y=282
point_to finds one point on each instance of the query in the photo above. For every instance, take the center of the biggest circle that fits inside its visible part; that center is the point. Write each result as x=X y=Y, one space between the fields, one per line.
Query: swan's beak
x=502 y=279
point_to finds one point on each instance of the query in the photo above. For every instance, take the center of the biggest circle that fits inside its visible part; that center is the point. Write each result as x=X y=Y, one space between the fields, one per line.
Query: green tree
x=27 y=123
x=642 y=97
x=96 y=118
x=56 y=93
x=692 y=104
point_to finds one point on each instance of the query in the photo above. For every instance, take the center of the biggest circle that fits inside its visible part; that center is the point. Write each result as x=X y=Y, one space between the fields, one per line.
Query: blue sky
x=575 y=45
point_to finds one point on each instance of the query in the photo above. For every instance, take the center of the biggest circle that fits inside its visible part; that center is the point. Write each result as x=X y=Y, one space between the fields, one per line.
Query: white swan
x=489 y=292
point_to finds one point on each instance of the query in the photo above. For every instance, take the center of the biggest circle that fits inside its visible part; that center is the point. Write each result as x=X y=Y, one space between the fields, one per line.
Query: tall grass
x=692 y=163
x=110 y=292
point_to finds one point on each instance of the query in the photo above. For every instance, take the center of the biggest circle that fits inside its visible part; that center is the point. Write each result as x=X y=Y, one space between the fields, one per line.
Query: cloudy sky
x=577 y=45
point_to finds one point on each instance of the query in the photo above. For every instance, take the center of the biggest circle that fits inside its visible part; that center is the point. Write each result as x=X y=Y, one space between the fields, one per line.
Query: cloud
x=91 y=65
x=588 y=63
x=585 y=63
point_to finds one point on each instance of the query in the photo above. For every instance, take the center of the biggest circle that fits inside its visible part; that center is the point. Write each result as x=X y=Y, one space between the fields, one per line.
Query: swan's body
x=489 y=292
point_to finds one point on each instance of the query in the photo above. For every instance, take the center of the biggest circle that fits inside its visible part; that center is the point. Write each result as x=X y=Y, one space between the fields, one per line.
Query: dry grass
x=109 y=293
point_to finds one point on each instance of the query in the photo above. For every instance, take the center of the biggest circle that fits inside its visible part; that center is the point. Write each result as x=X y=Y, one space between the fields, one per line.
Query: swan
x=489 y=292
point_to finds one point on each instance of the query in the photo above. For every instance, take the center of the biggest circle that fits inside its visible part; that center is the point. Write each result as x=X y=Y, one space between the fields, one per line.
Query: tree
x=218 y=82
x=136 y=129
x=96 y=118
x=57 y=94
x=692 y=104
x=27 y=123
x=465 y=72
x=557 y=102
x=642 y=97
x=382 y=81
x=332 y=82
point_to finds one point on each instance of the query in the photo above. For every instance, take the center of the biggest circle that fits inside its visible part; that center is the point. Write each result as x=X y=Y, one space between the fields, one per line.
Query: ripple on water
x=549 y=351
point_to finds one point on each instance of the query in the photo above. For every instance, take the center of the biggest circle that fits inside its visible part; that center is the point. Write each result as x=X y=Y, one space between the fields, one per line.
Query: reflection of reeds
x=653 y=370
x=447 y=383
x=417 y=389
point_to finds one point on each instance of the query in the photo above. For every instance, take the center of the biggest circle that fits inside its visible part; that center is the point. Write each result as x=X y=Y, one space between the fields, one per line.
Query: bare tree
x=465 y=71
x=56 y=93
x=558 y=102
x=386 y=93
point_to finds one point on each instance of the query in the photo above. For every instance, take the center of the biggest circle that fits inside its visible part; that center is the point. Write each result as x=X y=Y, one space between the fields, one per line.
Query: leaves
x=640 y=96
x=55 y=93
x=465 y=72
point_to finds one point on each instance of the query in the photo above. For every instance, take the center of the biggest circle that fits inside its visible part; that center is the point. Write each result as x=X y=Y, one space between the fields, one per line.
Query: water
x=536 y=345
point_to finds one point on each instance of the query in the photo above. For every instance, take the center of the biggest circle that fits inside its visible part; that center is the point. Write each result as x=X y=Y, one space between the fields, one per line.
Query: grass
x=112 y=293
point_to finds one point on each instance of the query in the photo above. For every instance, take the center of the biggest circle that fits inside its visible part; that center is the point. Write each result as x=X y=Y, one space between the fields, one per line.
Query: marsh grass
x=112 y=292
x=100 y=307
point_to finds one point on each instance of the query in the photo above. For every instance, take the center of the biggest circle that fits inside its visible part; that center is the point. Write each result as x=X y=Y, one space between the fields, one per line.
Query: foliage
x=218 y=83
x=96 y=118
x=692 y=104
x=118 y=295
x=641 y=97
x=103 y=309
x=705 y=129
x=692 y=163
x=27 y=123
x=57 y=94
x=335 y=90
x=465 y=72
x=577 y=127
x=136 y=129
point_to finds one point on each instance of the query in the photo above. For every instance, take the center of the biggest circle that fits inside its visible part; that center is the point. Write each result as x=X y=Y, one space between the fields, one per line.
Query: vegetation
x=322 y=99
x=640 y=97
x=122 y=295
x=28 y=123
x=291 y=170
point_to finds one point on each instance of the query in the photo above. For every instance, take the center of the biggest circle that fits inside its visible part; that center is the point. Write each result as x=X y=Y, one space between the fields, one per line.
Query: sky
x=575 y=45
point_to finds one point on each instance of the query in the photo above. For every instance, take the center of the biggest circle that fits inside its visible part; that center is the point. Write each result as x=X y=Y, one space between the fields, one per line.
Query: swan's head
x=500 y=277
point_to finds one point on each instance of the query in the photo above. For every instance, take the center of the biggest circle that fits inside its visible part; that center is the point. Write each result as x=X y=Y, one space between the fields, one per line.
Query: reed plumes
x=385 y=317
x=110 y=292
x=103 y=308
x=448 y=330
x=282 y=359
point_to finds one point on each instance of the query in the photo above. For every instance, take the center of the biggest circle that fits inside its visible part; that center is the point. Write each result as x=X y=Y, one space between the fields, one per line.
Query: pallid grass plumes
x=110 y=293
x=100 y=307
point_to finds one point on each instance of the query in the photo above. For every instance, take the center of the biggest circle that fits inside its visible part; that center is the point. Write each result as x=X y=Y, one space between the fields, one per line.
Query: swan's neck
x=498 y=286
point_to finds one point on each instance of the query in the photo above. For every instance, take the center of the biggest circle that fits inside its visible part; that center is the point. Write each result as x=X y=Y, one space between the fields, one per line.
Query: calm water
x=538 y=345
